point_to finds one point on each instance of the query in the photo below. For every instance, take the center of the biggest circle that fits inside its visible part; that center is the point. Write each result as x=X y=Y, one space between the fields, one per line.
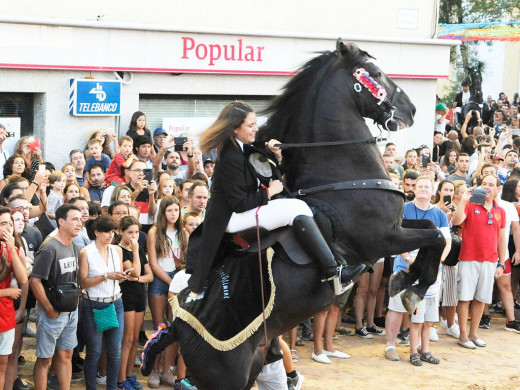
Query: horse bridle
x=364 y=80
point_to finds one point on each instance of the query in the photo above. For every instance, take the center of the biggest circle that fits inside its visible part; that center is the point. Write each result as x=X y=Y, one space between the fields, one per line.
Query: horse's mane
x=283 y=109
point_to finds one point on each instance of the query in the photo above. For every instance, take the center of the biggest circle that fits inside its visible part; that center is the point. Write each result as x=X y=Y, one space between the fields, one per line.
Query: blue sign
x=94 y=97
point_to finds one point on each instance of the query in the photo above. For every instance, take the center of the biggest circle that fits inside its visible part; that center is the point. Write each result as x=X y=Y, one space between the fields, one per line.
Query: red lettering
x=197 y=51
x=185 y=48
x=260 y=48
x=250 y=56
x=232 y=56
x=214 y=53
x=239 y=50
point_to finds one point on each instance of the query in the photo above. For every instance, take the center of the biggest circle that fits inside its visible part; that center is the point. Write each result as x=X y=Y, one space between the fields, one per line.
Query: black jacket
x=234 y=188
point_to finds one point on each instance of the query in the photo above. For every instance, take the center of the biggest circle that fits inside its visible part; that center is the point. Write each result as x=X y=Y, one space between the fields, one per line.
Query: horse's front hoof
x=396 y=283
x=159 y=340
x=410 y=300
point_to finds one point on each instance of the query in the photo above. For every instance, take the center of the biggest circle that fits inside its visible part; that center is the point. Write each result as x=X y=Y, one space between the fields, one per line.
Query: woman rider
x=237 y=193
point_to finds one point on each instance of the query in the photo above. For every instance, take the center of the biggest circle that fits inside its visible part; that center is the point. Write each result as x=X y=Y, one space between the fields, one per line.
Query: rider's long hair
x=230 y=118
x=163 y=243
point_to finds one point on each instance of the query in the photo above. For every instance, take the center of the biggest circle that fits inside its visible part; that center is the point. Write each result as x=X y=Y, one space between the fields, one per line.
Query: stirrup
x=340 y=288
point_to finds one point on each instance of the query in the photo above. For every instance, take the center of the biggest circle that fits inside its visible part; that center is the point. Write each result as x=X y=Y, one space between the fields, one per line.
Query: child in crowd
x=190 y=222
x=166 y=188
x=122 y=160
x=56 y=198
x=95 y=147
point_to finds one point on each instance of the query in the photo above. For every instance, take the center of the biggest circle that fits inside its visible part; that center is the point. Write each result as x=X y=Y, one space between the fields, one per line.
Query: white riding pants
x=277 y=213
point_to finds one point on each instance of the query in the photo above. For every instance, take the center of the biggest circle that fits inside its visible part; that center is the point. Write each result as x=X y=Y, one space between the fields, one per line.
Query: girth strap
x=372 y=184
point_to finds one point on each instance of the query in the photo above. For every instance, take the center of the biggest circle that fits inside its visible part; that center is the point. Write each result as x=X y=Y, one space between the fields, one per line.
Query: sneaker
x=376 y=330
x=485 y=322
x=126 y=385
x=403 y=337
x=321 y=358
x=184 y=384
x=134 y=383
x=434 y=336
x=137 y=361
x=517 y=305
x=453 y=331
x=20 y=384
x=344 y=331
x=296 y=382
x=391 y=354
x=154 y=380
x=513 y=326
x=336 y=354
x=101 y=380
x=52 y=382
x=362 y=332
x=167 y=378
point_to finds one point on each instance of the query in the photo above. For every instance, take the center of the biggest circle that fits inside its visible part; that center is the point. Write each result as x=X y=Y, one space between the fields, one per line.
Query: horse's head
x=379 y=98
x=475 y=80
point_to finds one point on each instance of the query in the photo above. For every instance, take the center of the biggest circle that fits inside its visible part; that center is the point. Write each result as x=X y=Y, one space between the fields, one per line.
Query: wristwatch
x=501 y=266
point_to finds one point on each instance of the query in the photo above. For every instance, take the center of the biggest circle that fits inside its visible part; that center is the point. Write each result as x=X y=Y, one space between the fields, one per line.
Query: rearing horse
x=336 y=167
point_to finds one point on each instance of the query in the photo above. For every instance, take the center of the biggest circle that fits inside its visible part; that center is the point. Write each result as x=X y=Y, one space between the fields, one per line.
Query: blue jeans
x=94 y=343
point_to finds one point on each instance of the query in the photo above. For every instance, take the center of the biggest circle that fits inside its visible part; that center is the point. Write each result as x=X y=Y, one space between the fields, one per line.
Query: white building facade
x=180 y=63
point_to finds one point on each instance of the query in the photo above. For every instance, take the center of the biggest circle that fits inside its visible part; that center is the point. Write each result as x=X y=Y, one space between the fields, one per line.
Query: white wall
x=379 y=17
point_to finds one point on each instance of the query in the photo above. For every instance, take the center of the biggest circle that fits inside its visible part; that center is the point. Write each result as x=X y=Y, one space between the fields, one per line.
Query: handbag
x=105 y=319
x=64 y=297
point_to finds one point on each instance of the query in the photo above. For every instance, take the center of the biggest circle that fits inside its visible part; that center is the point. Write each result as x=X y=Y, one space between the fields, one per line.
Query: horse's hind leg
x=417 y=234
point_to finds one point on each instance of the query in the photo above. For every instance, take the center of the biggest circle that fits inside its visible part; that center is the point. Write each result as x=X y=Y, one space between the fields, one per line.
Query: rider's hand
x=275 y=187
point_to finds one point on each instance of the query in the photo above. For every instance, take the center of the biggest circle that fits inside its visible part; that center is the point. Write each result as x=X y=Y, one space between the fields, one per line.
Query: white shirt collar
x=241 y=144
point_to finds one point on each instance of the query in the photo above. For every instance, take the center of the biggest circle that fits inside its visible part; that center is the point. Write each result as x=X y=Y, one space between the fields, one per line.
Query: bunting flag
x=488 y=31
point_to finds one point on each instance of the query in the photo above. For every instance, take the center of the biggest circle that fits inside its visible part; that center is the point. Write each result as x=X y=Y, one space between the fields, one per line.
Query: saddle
x=246 y=241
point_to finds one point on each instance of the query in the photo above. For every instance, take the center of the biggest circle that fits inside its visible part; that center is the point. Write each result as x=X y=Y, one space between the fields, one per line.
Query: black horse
x=335 y=166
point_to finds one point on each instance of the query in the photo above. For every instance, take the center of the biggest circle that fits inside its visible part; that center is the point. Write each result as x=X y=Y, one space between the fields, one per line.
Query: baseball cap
x=440 y=106
x=159 y=131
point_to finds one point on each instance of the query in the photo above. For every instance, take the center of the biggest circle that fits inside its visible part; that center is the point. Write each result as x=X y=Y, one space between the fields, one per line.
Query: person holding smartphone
x=477 y=264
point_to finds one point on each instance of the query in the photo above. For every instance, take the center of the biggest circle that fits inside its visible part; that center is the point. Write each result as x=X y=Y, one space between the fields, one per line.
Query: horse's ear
x=352 y=51
x=340 y=47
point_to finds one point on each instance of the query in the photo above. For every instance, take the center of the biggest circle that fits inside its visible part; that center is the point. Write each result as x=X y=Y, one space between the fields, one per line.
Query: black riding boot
x=315 y=245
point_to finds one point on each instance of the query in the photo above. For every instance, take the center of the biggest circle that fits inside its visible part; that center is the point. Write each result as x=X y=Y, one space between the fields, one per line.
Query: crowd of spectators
x=116 y=219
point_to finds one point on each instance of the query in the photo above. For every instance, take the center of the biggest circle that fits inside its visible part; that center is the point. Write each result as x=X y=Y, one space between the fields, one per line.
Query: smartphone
x=148 y=175
x=425 y=161
x=446 y=199
x=128 y=270
x=478 y=196
x=179 y=142
x=41 y=169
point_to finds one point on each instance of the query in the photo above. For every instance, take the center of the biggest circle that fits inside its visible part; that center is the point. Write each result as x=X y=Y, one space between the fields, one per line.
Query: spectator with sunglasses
x=483 y=242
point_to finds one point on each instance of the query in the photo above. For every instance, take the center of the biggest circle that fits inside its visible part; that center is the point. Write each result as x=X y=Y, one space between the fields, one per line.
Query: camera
x=9 y=134
x=179 y=142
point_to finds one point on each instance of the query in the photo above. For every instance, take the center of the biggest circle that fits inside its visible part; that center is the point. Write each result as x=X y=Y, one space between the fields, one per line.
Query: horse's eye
x=378 y=74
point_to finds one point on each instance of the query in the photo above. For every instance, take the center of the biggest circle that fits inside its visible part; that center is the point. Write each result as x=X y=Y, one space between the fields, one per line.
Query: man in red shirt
x=10 y=264
x=483 y=242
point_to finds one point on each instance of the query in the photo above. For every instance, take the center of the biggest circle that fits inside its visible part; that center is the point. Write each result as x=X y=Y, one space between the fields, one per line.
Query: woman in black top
x=238 y=193
x=134 y=297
